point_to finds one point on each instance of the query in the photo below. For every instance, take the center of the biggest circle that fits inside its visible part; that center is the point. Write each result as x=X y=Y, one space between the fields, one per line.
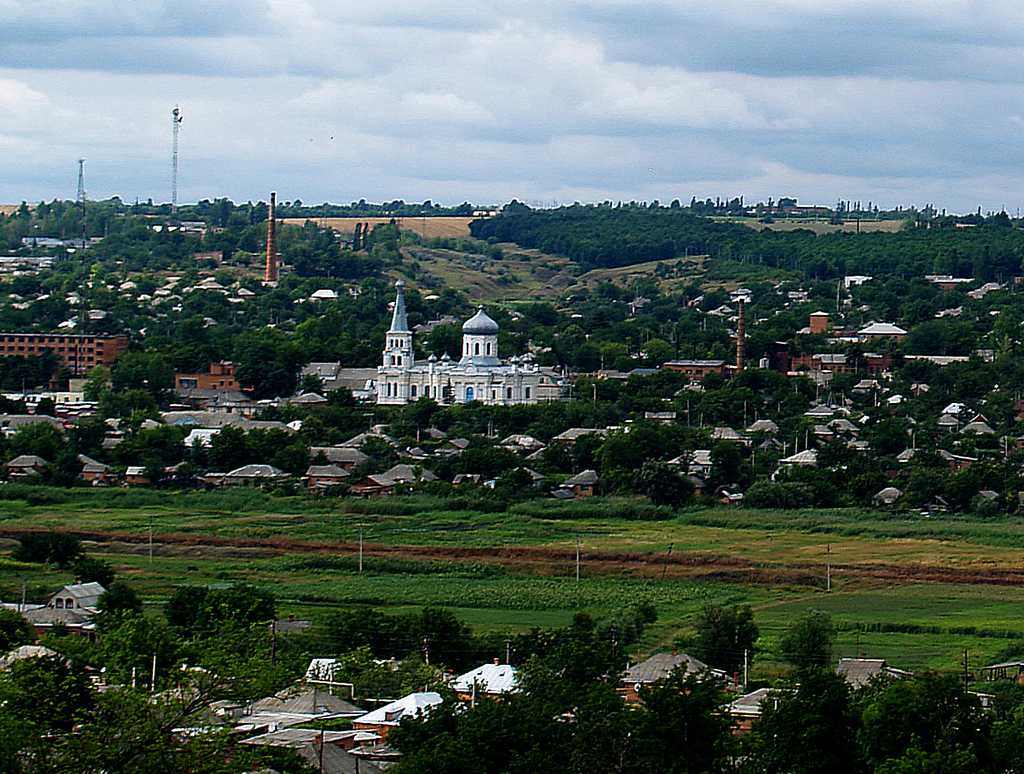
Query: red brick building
x=78 y=353
x=220 y=377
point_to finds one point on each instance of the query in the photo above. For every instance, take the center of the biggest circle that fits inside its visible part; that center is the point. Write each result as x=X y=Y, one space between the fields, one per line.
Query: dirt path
x=541 y=560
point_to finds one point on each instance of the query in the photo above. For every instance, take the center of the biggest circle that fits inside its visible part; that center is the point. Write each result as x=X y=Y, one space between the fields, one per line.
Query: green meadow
x=917 y=591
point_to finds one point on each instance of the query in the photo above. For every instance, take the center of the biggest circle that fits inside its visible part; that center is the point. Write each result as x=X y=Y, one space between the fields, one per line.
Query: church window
x=413 y=390
x=526 y=392
x=476 y=348
x=494 y=395
x=399 y=360
x=508 y=393
x=470 y=394
x=488 y=348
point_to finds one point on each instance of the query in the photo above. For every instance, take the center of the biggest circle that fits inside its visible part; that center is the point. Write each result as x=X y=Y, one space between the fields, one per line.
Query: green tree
x=725 y=637
x=808 y=642
x=14 y=631
x=663 y=484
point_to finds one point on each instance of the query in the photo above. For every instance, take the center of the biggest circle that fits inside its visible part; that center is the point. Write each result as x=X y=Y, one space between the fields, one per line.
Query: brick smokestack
x=741 y=337
x=270 y=274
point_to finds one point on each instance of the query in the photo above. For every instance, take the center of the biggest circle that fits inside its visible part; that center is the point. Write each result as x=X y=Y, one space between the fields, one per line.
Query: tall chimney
x=270 y=274
x=741 y=337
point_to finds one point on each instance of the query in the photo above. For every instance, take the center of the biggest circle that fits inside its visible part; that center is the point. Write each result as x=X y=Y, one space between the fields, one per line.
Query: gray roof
x=307 y=700
x=660 y=665
x=27 y=461
x=858 y=672
x=256 y=471
x=339 y=454
x=327 y=470
x=399 y=321
x=583 y=478
x=480 y=324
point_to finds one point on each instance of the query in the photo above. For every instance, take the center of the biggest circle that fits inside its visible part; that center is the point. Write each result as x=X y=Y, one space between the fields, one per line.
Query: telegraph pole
x=828 y=567
x=80 y=198
x=175 y=124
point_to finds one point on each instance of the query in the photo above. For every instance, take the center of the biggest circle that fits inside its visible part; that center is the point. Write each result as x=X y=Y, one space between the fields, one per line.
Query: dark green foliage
x=201 y=610
x=808 y=642
x=56 y=548
x=88 y=569
x=663 y=484
x=724 y=636
x=14 y=631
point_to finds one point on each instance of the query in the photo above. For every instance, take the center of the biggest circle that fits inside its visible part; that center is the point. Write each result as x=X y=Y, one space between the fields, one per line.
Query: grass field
x=426 y=227
x=519 y=275
x=916 y=591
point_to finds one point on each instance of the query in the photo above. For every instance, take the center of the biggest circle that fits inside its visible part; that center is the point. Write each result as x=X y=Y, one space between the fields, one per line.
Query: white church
x=478 y=376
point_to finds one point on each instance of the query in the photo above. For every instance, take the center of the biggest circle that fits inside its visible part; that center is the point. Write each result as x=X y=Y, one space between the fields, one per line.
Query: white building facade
x=478 y=376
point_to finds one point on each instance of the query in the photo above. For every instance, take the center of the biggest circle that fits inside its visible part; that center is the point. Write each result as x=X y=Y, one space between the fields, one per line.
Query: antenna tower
x=80 y=197
x=175 y=123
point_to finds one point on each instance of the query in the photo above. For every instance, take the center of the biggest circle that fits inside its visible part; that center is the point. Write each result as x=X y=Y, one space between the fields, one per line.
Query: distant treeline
x=606 y=237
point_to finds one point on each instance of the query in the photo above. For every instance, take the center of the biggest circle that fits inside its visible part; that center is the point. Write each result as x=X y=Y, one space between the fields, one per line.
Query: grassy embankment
x=917 y=591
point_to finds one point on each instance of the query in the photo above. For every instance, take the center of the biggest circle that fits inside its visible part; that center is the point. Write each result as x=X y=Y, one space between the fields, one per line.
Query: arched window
x=412 y=391
x=470 y=394
x=488 y=347
x=526 y=392
x=69 y=603
x=508 y=393
x=59 y=603
x=476 y=348
x=399 y=360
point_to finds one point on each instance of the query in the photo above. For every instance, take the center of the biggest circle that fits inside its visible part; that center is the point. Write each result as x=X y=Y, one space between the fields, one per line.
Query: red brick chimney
x=270 y=274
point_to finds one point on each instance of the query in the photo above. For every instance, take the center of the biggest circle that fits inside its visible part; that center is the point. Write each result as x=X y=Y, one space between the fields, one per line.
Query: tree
x=118 y=600
x=809 y=730
x=88 y=569
x=808 y=642
x=663 y=484
x=725 y=637
x=56 y=548
x=14 y=631
x=39 y=438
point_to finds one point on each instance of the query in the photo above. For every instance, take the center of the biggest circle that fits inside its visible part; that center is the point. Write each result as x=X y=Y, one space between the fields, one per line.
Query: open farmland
x=428 y=228
x=918 y=591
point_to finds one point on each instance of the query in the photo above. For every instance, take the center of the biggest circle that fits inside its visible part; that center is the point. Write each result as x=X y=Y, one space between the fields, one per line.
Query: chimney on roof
x=270 y=274
x=741 y=337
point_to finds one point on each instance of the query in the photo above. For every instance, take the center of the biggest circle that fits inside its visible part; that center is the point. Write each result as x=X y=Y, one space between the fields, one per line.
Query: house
x=696 y=369
x=321 y=477
x=135 y=475
x=95 y=472
x=521 y=443
x=573 y=434
x=386 y=482
x=486 y=681
x=329 y=752
x=882 y=331
x=72 y=607
x=747 y=709
x=343 y=456
x=26 y=466
x=583 y=484
x=254 y=475
x=806 y=458
x=658 y=667
x=765 y=426
x=385 y=718
x=219 y=376
x=858 y=672
x=310 y=702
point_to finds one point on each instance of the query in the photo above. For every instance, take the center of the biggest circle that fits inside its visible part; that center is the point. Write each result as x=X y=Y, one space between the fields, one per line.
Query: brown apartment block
x=220 y=377
x=78 y=353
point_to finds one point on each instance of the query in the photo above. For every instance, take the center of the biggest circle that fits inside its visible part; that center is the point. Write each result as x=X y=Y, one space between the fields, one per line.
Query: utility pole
x=175 y=124
x=746 y=666
x=508 y=651
x=828 y=567
x=577 y=559
x=966 y=673
x=151 y=541
x=360 y=549
x=152 y=678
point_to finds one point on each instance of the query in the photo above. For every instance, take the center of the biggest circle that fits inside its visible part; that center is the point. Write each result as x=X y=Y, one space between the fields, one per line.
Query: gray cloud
x=576 y=100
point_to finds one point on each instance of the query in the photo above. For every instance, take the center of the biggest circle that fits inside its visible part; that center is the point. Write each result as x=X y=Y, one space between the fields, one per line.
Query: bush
x=771 y=494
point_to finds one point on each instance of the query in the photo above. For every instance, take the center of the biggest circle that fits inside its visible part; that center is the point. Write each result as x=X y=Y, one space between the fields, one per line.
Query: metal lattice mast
x=80 y=197
x=175 y=123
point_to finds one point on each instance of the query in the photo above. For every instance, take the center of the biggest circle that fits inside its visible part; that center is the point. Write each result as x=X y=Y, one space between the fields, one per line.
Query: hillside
x=428 y=228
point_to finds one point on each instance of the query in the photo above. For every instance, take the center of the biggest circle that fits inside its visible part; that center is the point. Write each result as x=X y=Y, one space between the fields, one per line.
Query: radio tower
x=80 y=197
x=175 y=123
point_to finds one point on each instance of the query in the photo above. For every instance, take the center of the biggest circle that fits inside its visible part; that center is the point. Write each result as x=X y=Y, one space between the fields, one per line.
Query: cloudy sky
x=897 y=103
